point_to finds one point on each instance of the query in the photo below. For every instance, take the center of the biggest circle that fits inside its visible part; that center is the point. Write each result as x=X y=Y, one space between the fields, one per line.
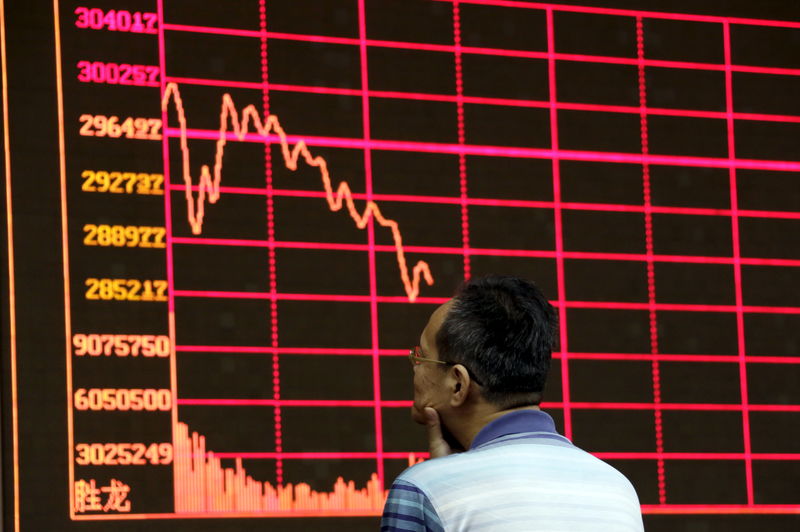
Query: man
x=479 y=373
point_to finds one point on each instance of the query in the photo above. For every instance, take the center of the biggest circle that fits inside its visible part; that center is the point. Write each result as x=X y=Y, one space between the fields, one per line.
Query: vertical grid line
x=651 y=279
x=173 y=377
x=12 y=302
x=62 y=166
x=273 y=303
x=373 y=289
x=462 y=158
x=737 y=265
x=559 y=233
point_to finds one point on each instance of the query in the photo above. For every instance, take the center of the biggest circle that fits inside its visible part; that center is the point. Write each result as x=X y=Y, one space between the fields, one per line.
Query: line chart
x=209 y=186
x=463 y=145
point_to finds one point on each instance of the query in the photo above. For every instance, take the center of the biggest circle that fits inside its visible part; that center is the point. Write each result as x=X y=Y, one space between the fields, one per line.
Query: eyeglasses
x=416 y=358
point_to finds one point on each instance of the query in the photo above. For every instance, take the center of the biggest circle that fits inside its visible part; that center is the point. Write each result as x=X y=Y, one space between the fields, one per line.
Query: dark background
x=35 y=196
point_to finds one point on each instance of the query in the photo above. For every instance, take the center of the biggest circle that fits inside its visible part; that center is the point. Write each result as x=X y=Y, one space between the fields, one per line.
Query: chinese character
x=87 y=496
x=117 y=497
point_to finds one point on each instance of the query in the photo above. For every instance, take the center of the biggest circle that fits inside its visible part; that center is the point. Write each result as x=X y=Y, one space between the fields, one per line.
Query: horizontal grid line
x=694 y=456
x=547 y=254
x=498 y=151
x=319 y=455
x=342 y=351
x=632 y=13
x=720 y=509
x=633 y=455
x=608 y=305
x=482 y=100
x=690 y=509
x=496 y=202
x=473 y=50
x=582 y=405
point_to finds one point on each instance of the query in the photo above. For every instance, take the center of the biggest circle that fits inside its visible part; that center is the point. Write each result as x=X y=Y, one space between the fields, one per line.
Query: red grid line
x=607 y=305
x=633 y=13
x=559 y=232
x=737 y=267
x=318 y=455
x=651 y=277
x=170 y=263
x=373 y=283
x=528 y=54
x=695 y=456
x=341 y=351
x=576 y=405
x=501 y=151
x=322 y=455
x=462 y=159
x=498 y=202
x=689 y=259
x=482 y=100
x=273 y=307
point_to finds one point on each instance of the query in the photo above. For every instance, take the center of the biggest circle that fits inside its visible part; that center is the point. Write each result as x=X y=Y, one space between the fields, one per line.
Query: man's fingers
x=436 y=442
x=433 y=423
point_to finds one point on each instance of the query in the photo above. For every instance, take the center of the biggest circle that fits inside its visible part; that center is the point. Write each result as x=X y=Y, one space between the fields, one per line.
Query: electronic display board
x=229 y=221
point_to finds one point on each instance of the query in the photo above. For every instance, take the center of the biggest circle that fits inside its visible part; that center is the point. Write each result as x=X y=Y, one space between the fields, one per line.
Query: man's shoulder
x=417 y=474
x=540 y=459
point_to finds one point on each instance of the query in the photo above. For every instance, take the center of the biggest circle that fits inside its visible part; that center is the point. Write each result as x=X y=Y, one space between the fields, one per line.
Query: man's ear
x=459 y=384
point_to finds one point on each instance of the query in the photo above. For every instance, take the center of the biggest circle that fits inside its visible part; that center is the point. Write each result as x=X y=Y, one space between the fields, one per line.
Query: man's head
x=496 y=336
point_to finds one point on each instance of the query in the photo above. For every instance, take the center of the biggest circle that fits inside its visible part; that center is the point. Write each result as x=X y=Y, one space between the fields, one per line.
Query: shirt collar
x=515 y=423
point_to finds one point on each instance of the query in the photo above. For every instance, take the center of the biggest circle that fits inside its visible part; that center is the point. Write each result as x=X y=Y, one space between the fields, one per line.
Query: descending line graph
x=209 y=184
x=469 y=142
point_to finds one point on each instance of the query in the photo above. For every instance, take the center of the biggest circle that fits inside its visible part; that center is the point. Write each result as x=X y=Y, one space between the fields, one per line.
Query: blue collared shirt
x=518 y=475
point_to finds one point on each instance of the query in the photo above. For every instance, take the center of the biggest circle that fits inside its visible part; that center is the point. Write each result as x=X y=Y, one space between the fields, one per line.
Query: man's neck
x=470 y=425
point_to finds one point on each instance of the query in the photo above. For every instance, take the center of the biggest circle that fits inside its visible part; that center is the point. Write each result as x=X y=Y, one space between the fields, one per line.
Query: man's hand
x=437 y=445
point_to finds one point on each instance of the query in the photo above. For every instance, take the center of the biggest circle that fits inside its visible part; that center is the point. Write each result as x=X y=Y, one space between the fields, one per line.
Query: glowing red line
x=737 y=268
x=535 y=204
x=293 y=402
x=750 y=359
x=632 y=13
x=462 y=159
x=716 y=407
x=317 y=455
x=497 y=151
x=688 y=509
x=339 y=455
x=528 y=54
x=278 y=350
x=683 y=357
x=373 y=282
x=370 y=403
x=721 y=509
x=687 y=307
x=690 y=259
x=651 y=283
x=559 y=232
x=223 y=242
x=510 y=102
x=351 y=298
x=342 y=198
x=694 y=456
x=273 y=308
x=170 y=262
x=213 y=30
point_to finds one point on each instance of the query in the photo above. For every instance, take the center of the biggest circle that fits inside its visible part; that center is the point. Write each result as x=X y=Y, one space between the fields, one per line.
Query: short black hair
x=503 y=330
